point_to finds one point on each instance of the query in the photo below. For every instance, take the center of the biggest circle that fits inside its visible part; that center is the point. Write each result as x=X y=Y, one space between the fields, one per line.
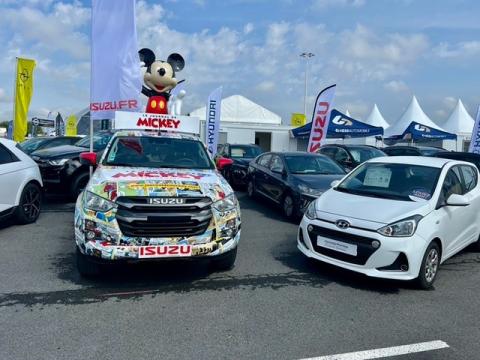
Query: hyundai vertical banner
x=475 y=141
x=116 y=79
x=212 y=123
x=321 y=118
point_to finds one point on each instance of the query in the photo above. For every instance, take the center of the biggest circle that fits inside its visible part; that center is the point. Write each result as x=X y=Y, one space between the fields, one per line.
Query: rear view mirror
x=88 y=158
x=223 y=162
x=457 y=200
x=334 y=183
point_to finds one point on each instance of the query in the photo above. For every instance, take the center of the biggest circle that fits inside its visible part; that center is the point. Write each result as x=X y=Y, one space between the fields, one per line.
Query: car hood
x=59 y=151
x=317 y=182
x=111 y=182
x=376 y=210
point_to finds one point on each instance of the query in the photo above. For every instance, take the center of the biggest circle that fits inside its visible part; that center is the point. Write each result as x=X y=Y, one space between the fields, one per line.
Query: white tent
x=239 y=109
x=376 y=118
x=460 y=121
x=413 y=113
x=348 y=113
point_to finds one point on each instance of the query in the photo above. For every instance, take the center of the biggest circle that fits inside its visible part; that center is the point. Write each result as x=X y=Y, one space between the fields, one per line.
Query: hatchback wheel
x=429 y=268
x=30 y=203
x=79 y=184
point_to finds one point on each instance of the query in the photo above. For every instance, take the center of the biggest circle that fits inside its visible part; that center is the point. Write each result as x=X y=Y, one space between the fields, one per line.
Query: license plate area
x=338 y=246
x=159 y=251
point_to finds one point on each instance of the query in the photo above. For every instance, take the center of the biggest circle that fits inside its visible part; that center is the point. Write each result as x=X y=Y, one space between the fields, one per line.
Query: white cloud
x=248 y=28
x=3 y=96
x=396 y=86
x=460 y=50
x=266 y=86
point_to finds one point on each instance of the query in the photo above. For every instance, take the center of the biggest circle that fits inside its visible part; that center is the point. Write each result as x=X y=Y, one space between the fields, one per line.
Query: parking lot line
x=384 y=352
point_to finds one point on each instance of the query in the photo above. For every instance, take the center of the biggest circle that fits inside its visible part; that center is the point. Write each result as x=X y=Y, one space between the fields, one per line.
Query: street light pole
x=306 y=56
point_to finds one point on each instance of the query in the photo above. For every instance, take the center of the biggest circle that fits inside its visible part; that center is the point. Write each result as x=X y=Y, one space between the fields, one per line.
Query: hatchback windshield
x=31 y=145
x=313 y=165
x=244 y=151
x=392 y=181
x=362 y=154
x=100 y=141
x=158 y=152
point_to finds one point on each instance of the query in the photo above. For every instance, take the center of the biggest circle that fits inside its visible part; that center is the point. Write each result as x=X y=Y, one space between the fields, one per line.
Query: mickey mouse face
x=160 y=75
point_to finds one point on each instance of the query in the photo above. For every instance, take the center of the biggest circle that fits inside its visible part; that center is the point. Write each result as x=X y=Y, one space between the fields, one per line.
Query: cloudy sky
x=377 y=51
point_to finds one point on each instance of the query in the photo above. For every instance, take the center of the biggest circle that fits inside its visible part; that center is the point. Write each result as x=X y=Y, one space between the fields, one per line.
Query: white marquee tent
x=413 y=113
x=239 y=109
x=376 y=118
x=460 y=121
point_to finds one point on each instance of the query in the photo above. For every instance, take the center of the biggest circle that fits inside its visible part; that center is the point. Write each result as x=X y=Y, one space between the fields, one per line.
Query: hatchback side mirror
x=457 y=200
x=88 y=158
x=223 y=162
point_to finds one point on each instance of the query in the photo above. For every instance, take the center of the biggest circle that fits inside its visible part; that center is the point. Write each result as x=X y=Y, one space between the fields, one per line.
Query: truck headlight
x=226 y=204
x=57 y=162
x=311 y=212
x=402 y=228
x=305 y=190
x=97 y=203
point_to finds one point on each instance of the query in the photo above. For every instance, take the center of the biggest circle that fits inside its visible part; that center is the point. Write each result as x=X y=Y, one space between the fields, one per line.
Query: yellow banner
x=71 y=127
x=298 y=119
x=23 y=95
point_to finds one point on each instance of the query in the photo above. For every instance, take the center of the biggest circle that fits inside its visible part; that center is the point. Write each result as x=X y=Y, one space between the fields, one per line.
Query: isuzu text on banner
x=116 y=79
x=212 y=122
x=321 y=118
x=475 y=141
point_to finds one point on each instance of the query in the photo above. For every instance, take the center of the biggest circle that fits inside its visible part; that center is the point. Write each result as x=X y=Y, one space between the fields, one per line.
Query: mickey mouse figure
x=159 y=79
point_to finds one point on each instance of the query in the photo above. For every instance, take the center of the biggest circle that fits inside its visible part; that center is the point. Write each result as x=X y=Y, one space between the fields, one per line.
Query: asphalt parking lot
x=273 y=305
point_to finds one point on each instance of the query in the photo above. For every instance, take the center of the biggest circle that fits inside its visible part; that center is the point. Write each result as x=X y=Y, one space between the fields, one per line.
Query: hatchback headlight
x=311 y=212
x=97 y=203
x=57 y=162
x=226 y=204
x=402 y=228
x=304 y=189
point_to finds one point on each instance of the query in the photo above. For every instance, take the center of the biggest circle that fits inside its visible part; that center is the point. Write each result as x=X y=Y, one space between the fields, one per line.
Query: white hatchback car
x=20 y=184
x=395 y=217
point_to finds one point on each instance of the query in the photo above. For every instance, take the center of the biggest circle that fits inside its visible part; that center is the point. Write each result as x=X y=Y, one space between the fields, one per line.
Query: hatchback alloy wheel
x=431 y=265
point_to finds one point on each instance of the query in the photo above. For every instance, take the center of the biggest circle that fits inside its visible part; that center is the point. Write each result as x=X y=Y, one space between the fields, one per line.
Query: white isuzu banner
x=475 y=141
x=116 y=79
x=212 y=122
x=321 y=118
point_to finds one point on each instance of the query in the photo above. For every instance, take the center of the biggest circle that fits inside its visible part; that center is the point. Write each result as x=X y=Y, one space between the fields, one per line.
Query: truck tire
x=226 y=262
x=85 y=267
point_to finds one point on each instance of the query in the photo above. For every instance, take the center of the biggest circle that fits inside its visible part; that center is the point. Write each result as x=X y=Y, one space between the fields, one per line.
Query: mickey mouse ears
x=177 y=61
x=147 y=56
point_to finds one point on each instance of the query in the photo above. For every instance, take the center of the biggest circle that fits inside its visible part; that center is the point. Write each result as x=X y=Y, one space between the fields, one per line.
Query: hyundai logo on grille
x=342 y=224
x=167 y=201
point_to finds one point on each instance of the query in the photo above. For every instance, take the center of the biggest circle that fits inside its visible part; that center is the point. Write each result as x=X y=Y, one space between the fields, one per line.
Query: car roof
x=458 y=154
x=414 y=160
x=7 y=142
x=415 y=147
x=295 y=153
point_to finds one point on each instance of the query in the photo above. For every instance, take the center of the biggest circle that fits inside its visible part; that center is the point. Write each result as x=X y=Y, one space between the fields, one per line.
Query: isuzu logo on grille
x=166 y=201
x=342 y=224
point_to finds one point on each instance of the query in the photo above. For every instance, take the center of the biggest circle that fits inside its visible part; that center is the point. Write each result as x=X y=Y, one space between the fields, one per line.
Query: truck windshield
x=158 y=152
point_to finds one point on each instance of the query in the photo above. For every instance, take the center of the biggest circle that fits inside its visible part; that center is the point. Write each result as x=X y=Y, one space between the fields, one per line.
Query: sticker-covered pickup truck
x=153 y=196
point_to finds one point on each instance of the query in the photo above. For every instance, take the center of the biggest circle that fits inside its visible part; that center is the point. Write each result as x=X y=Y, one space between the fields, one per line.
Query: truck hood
x=376 y=210
x=111 y=182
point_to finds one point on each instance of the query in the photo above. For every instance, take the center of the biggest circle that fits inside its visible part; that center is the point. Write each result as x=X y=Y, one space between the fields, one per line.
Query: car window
x=341 y=156
x=329 y=151
x=244 y=151
x=469 y=177
x=362 y=154
x=6 y=156
x=313 y=165
x=276 y=165
x=264 y=160
x=451 y=185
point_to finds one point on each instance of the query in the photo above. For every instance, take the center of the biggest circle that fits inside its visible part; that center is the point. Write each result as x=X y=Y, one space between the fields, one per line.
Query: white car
x=395 y=218
x=20 y=184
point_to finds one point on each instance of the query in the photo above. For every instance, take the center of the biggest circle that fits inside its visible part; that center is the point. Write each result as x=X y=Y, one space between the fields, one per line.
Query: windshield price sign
x=146 y=121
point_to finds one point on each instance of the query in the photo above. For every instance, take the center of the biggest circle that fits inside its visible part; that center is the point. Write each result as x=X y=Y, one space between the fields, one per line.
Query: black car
x=462 y=156
x=292 y=179
x=61 y=168
x=45 y=142
x=241 y=155
x=350 y=156
x=412 y=150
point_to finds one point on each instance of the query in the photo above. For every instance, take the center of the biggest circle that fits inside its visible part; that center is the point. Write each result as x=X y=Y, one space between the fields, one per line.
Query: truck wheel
x=30 y=203
x=226 y=262
x=78 y=185
x=85 y=267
